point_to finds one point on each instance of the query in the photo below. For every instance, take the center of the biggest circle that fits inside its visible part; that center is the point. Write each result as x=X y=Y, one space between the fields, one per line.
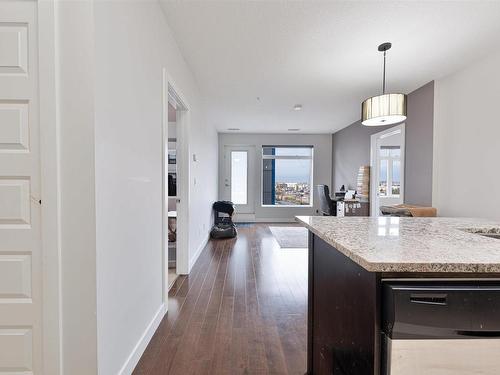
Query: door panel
x=239 y=171
x=239 y=177
x=20 y=249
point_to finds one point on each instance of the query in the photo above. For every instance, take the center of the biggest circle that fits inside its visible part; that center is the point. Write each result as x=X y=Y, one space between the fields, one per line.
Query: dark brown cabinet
x=343 y=320
x=345 y=310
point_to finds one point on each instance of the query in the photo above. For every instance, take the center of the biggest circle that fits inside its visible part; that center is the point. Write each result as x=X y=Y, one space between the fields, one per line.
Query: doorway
x=387 y=168
x=172 y=194
x=239 y=169
x=175 y=186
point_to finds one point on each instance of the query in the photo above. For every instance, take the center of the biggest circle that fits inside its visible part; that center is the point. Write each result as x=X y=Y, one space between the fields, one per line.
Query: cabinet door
x=345 y=332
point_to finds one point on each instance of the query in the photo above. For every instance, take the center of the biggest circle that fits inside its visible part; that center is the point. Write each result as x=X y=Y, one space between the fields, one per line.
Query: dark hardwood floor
x=242 y=310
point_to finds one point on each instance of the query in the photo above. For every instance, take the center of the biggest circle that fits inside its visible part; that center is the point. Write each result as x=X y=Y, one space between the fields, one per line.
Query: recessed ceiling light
x=297 y=107
x=293 y=129
x=233 y=129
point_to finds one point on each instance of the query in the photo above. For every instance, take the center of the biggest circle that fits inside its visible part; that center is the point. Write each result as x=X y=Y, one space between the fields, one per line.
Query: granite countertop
x=408 y=244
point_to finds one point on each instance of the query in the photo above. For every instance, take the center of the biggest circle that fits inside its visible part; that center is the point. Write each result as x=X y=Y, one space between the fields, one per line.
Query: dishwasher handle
x=482 y=334
x=429 y=298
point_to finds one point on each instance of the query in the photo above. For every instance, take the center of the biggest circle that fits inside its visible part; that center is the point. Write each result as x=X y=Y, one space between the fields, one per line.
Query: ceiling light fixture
x=297 y=107
x=385 y=109
x=293 y=129
x=233 y=129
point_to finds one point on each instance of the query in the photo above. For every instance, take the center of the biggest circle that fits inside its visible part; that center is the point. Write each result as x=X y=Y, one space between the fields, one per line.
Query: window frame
x=287 y=157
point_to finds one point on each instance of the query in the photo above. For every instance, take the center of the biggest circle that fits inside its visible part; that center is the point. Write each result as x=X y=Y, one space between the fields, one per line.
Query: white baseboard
x=268 y=220
x=196 y=255
x=244 y=218
x=277 y=221
x=143 y=342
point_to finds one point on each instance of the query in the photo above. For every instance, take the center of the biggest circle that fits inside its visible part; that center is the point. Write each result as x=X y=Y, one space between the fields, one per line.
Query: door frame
x=373 y=163
x=171 y=93
x=50 y=189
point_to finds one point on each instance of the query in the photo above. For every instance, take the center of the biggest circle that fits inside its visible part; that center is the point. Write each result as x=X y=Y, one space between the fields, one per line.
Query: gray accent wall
x=419 y=145
x=351 y=148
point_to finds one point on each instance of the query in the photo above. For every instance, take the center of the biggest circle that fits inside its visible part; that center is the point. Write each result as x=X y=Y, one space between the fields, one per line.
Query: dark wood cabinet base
x=343 y=314
x=344 y=311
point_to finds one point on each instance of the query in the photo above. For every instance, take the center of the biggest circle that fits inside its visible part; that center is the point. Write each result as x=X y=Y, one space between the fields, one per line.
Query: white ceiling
x=322 y=55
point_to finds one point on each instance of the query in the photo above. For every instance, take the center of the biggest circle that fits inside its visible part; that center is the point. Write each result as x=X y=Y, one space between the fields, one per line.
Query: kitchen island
x=359 y=266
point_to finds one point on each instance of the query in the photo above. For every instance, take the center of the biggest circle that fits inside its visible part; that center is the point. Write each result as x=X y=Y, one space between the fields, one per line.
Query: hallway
x=242 y=310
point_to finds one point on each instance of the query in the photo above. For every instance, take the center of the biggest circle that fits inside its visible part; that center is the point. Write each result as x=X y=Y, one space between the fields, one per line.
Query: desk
x=353 y=208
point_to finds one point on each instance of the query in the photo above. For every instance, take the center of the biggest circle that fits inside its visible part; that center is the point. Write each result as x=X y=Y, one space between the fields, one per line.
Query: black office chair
x=327 y=206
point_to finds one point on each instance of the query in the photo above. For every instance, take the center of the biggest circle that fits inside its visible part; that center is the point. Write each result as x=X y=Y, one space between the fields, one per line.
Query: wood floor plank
x=242 y=310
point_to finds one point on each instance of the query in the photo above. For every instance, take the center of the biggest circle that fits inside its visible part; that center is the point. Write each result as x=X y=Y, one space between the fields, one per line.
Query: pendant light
x=385 y=109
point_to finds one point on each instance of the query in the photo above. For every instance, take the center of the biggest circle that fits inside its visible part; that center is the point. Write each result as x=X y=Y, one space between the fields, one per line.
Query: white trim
x=183 y=127
x=287 y=205
x=436 y=141
x=243 y=218
x=50 y=190
x=373 y=157
x=198 y=252
x=277 y=221
x=171 y=93
x=143 y=342
x=164 y=190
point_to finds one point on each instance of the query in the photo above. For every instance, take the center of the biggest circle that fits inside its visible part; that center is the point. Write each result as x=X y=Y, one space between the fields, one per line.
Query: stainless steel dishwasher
x=441 y=327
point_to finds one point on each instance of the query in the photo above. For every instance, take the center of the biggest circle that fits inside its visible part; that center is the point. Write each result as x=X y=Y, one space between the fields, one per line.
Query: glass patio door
x=238 y=176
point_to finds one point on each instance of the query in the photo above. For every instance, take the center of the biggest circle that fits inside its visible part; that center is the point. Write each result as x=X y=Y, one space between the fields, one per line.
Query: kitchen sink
x=490 y=235
x=485 y=232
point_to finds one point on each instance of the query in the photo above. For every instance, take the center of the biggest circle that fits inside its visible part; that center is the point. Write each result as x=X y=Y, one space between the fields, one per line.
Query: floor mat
x=290 y=237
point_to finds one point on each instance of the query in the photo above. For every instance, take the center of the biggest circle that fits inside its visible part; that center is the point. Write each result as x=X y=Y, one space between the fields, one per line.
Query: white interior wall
x=322 y=168
x=133 y=44
x=75 y=77
x=466 y=176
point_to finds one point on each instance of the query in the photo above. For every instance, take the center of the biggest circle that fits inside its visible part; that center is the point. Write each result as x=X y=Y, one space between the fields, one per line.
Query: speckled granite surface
x=393 y=244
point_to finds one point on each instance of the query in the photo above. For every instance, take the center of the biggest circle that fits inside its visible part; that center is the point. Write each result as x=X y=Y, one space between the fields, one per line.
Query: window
x=287 y=175
x=239 y=176
x=389 y=181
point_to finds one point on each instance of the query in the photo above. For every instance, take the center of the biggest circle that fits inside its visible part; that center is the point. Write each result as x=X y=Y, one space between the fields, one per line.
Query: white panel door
x=239 y=170
x=20 y=241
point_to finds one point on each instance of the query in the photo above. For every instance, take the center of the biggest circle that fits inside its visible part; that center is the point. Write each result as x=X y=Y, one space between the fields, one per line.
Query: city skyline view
x=293 y=171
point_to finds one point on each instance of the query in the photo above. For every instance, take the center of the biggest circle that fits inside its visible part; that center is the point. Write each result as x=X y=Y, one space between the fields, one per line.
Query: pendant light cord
x=383 y=83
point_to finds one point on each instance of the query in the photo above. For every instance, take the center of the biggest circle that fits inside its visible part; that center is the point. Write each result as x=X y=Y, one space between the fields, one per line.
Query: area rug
x=290 y=237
